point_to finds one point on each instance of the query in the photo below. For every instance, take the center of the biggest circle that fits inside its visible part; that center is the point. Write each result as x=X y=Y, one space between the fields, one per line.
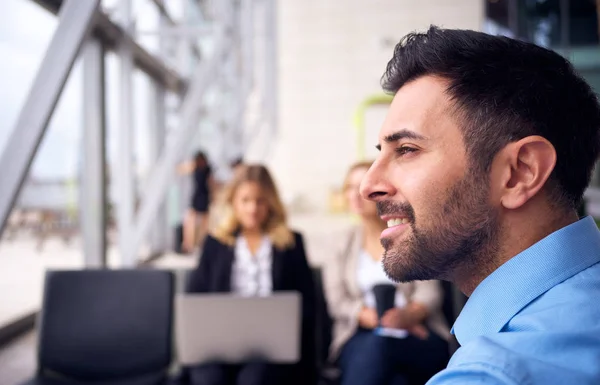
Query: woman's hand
x=409 y=318
x=397 y=318
x=406 y=317
x=367 y=318
x=419 y=331
x=186 y=167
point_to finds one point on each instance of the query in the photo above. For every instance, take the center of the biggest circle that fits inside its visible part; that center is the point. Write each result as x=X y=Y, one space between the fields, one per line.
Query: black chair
x=328 y=374
x=105 y=327
x=324 y=322
x=452 y=304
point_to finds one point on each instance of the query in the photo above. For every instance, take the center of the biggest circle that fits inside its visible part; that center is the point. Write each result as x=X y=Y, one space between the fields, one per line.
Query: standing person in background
x=236 y=165
x=253 y=252
x=195 y=225
x=365 y=357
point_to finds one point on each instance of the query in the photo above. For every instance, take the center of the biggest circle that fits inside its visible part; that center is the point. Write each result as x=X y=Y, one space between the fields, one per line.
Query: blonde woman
x=362 y=353
x=252 y=252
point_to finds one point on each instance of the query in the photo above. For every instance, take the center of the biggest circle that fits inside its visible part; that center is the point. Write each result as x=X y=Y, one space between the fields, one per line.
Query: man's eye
x=403 y=150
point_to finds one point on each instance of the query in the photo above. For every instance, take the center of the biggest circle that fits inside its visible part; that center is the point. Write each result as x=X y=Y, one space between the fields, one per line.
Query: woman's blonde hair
x=276 y=224
x=356 y=166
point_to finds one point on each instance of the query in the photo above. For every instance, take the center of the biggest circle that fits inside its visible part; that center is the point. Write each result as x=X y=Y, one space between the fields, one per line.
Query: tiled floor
x=18 y=361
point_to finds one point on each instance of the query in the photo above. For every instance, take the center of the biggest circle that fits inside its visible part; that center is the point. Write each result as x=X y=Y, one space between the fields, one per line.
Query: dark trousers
x=248 y=374
x=369 y=359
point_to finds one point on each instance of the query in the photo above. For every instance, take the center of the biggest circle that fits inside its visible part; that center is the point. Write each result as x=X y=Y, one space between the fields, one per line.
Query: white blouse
x=370 y=273
x=251 y=274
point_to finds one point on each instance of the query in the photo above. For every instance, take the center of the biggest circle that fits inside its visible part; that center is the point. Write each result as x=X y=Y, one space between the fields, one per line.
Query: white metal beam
x=92 y=181
x=76 y=18
x=271 y=93
x=179 y=31
x=166 y=19
x=112 y=35
x=159 y=233
x=247 y=66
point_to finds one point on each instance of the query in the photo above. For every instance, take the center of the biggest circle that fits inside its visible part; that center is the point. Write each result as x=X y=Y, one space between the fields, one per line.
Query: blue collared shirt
x=536 y=319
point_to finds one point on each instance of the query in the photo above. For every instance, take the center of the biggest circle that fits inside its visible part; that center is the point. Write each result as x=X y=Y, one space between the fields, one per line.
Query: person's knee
x=367 y=363
x=256 y=373
x=376 y=347
x=207 y=375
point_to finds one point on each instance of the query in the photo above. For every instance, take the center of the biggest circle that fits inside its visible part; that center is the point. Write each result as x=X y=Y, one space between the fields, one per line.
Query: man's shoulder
x=569 y=306
x=525 y=358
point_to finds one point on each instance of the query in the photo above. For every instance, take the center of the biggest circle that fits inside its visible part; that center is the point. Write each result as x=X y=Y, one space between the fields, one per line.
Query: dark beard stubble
x=461 y=233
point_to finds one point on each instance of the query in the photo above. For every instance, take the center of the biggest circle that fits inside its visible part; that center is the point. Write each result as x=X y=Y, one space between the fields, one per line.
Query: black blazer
x=290 y=272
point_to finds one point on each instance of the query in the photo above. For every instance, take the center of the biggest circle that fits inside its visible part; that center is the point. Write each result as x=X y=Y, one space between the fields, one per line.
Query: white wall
x=332 y=54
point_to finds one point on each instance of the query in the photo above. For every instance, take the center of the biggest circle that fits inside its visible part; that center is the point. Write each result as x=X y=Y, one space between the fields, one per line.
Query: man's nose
x=375 y=185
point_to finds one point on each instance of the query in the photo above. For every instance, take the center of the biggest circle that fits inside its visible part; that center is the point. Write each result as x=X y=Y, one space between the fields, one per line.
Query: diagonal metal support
x=112 y=35
x=158 y=234
x=76 y=18
x=203 y=77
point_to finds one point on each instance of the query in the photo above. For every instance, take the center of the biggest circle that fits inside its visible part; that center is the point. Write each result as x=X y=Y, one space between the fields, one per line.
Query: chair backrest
x=182 y=279
x=452 y=305
x=323 y=327
x=106 y=324
x=453 y=302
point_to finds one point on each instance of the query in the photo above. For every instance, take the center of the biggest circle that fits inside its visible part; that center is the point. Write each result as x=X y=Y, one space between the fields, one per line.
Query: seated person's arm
x=198 y=281
x=426 y=298
x=368 y=318
x=185 y=168
x=213 y=185
x=342 y=306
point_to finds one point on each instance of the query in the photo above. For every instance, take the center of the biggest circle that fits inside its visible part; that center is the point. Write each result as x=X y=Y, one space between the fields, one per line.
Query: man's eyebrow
x=402 y=134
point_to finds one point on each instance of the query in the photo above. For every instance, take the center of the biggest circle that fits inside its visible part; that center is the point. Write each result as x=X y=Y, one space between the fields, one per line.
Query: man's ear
x=525 y=167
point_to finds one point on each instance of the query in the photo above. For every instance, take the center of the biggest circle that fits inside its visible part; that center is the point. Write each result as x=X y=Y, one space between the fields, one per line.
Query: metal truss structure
x=214 y=55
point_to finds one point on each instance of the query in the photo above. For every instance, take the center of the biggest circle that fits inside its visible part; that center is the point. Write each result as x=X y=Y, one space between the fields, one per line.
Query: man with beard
x=485 y=154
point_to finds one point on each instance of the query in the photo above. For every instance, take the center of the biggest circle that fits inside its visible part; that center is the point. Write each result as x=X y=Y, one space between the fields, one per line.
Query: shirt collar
x=262 y=255
x=526 y=276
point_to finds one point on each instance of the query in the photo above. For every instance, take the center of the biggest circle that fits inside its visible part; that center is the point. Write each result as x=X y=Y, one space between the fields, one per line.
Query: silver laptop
x=219 y=327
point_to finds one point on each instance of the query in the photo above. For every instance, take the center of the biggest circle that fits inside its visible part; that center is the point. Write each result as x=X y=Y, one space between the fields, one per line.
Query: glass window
x=43 y=229
x=22 y=46
x=549 y=23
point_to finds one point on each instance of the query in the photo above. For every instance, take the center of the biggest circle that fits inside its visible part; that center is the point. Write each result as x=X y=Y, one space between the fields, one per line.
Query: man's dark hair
x=505 y=90
x=200 y=158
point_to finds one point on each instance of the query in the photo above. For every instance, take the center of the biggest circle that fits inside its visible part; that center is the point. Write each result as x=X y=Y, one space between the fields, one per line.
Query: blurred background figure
x=219 y=202
x=364 y=356
x=195 y=224
x=236 y=165
x=253 y=252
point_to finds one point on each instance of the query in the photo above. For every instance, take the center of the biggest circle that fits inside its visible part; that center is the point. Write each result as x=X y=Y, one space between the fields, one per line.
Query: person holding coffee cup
x=369 y=310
